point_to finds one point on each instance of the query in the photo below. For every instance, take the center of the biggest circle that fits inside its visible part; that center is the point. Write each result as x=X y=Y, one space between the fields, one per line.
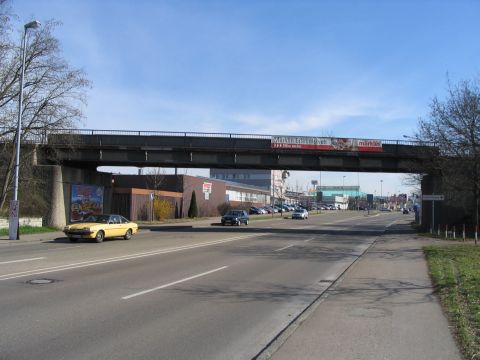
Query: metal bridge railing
x=71 y=136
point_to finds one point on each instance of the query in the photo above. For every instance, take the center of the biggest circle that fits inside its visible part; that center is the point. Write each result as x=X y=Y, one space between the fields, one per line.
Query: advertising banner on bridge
x=85 y=201
x=322 y=143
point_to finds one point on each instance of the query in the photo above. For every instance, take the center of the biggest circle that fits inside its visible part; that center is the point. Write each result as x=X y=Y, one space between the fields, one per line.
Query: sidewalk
x=383 y=308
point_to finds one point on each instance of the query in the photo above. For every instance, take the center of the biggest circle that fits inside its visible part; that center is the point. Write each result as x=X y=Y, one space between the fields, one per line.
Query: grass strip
x=25 y=229
x=455 y=271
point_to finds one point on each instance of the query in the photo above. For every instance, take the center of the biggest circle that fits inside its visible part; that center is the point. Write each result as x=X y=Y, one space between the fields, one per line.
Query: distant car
x=255 y=211
x=300 y=214
x=99 y=227
x=405 y=211
x=235 y=217
x=386 y=209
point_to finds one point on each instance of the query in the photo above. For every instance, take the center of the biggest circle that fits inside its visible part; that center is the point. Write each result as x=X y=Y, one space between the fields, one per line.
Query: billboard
x=322 y=143
x=85 y=201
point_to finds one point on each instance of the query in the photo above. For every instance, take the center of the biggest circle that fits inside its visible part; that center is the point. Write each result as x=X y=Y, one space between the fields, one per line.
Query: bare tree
x=53 y=92
x=454 y=125
x=156 y=178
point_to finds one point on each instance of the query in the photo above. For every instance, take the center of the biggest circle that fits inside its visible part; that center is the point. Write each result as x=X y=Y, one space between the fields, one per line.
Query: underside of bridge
x=75 y=157
x=225 y=152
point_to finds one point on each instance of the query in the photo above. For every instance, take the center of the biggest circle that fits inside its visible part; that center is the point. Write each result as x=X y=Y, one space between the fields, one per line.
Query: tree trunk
x=6 y=181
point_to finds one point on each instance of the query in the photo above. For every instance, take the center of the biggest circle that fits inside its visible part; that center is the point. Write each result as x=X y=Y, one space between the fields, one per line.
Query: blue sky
x=366 y=69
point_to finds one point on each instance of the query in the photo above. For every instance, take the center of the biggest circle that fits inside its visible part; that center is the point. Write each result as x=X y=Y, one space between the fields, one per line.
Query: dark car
x=255 y=211
x=235 y=217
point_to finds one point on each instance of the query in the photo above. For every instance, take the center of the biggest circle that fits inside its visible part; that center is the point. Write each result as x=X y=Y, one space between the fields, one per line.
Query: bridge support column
x=56 y=217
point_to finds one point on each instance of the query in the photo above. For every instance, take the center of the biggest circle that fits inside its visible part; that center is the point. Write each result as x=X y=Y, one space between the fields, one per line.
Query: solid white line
x=119 y=258
x=172 y=283
x=286 y=247
x=21 y=260
x=65 y=248
x=307 y=240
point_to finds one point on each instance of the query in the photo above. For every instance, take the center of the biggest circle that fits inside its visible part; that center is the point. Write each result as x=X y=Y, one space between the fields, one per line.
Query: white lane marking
x=286 y=247
x=173 y=283
x=65 y=248
x=118 y=258
x=310 y=239
x=21 y=260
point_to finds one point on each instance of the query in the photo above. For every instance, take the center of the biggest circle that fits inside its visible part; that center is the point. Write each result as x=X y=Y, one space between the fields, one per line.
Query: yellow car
x=99 y=227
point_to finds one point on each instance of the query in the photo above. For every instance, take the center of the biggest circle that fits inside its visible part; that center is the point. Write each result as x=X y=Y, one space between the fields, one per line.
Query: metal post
x=14 y=232
x=273 y=193
x=433 y=216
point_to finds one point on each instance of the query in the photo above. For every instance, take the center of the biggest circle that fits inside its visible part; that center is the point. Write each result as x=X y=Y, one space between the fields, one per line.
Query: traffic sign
x=433 y=197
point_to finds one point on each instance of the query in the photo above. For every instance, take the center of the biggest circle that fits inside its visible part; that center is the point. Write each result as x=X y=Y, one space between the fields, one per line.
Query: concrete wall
x=35 y=222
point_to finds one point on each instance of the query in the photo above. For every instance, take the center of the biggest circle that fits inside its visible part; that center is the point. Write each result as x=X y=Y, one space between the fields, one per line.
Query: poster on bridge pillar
x=323 y=143
x=86 y=200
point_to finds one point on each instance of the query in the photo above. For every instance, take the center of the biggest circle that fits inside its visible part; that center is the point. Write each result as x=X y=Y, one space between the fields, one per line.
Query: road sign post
x=433 y=198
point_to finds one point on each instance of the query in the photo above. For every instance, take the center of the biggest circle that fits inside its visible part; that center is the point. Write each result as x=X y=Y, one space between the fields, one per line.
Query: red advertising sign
x=322 y=143
x=207 y=188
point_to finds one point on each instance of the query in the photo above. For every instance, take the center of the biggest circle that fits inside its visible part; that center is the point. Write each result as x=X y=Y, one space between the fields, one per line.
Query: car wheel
x=100 y=236
x=128 y=235
x=72 y=239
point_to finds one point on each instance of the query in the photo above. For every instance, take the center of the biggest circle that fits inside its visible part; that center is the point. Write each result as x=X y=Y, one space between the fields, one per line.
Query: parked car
x=300 y=213
x=405 y=211
x=255 y=211
x=235 y=217
x=262 y=210
x=99 y=227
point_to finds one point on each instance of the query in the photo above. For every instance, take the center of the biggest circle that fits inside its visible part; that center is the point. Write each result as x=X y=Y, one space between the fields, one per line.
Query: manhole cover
x=40 y=281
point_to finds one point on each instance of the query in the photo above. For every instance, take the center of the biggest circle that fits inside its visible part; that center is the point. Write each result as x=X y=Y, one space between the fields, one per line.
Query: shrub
x=163 y=209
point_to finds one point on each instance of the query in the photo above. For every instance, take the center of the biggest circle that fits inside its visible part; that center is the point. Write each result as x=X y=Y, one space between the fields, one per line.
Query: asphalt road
x=206 y=292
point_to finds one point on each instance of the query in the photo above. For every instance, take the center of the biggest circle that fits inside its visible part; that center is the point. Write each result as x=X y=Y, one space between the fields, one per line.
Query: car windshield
x=234 y=213
x=103 y=219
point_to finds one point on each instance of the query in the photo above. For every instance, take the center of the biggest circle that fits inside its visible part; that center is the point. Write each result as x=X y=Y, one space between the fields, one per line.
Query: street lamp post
x=14 y=208
x=381 y=189
x=343 y=191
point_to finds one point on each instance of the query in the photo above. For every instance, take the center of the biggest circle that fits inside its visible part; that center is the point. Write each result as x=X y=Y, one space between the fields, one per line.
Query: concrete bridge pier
x=58 y=190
